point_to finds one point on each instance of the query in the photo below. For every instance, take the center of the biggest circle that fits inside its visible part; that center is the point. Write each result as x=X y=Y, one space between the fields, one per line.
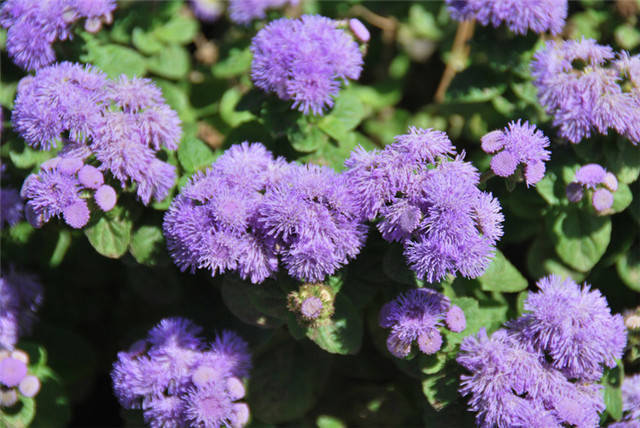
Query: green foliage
x=110 y=233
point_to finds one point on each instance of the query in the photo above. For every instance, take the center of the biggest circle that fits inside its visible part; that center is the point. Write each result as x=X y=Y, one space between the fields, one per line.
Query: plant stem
x=457 y=57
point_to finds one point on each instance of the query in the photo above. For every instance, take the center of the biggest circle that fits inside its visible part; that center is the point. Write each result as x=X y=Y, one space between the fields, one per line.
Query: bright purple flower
x=518 y=15
x=20 y=297
x=574 y=327
x=519 y=143
x=245 y=11
x=590 y=175
x=455 y=319
x=76 y=214
x=90 y=177
x=631 y=397
x=414 y=316
x=11 y=207
x=590 y=97
x=359 y=30
x=207 y=10
x=34 y=25
x=105 y=197
x=12 y=371
x=304 y=60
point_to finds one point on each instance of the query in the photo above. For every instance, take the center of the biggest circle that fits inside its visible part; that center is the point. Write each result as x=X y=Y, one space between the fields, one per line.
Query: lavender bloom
x=590 y=97
x=429 y=202
x=178 y=381
x=414 y=316
x=11 y=207
x=207 y=10
x=359 y=30
x=574 y=327
x=592 y=177
x=106 y=197
x=33 y=26
x=519 y=144
x=455 y=319
x=518 y=15
x=20 y=298
x=304 y=60
x=631 y=397
x=12 y=371
x=312 y=303
x=245 y=11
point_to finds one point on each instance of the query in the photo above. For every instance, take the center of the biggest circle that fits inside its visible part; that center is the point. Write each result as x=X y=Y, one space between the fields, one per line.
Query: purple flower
x=33 y=26
x=90 y=177
x=631 y=397
x=20 y=297
x=304 y=60
x=105 y=197
x=518 y=15
x=311 y=308
x=245 y=11
x=12 y=371
x=414 y=316
x=455 y=319
x=11 y=207
x=359 y=30
x=29 y=386
x=207 y=10
x=589 y=97
x=592 y=177
x=574 y=327
x=176 y=380
x=518 y=144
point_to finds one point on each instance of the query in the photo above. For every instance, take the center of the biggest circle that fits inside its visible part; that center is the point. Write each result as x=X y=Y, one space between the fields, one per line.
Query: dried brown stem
x=457 y=58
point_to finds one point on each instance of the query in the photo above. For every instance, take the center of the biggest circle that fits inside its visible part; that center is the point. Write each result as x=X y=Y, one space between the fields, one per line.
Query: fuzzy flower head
x=11 y=207
x=177 y=380
x=574 y=326
x=582 y=85
x=519 y=16
x=631 y=397
x=414 y=316
x=304 y=60
x=312 y=303
x=518 y=144
x=595 y=180
x=35 y=25
x=245 y=11
x=20 y=297
x=208 y=10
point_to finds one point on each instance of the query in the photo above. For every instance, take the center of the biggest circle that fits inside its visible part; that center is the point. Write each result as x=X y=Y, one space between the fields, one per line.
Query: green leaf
x=628 y=267
x=145 y=42
x=285 y=382
x=502 y=276
x=475 y=85
x=171 y=62
x=541 y=261
x=346 y=115
x=62 y=245
x=148 y=247
x=622 y=198
x=344 y=333
x=111 y=233
x=8 y=93
x=325 y=421
x=228 y=110
x=423 y=23
x=115 y=59
x=23 y=417
x=193 y=153
x=236 y=63
x=442 y=389
x=177 y=100
x=306 y=137
x=180 y=29
x=236 y=295
x=24 y=157
x=623 y=159
x=580 y=238
x=612 y=381
x=395 y=266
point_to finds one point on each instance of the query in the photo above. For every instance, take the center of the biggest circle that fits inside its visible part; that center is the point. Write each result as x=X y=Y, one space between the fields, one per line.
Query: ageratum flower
x=591 y=95
x=429 y=202
x=518 y=144
x=593 y=177
x=207 y=10
x=245 y=11
x=11 y=207
x=304 y=60
x=519 y=16
x=34 y=25
x=20 y=297
x=631 y=397
x=178 y=380
x=573 y=326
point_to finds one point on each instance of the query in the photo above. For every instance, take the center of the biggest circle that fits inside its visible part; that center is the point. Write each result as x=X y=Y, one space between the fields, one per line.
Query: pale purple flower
x=76 y=214
x=518 y=144
x=519 y=16
x=311 y=308
x=20 y=297
x=29 y=386
x=177 y=380
x=591 y=97
x=602 y=200
x=90 y=177
x=11 y=207
x=105 y=197
x=359 y=30
x=594 y=178
x=34 y=25
x=414 y=316
x=208 y=10
x=12 y=371
x=590 y=175
x=631 y=397
x=245 y=11
x=455 y=319
x=573 y=326
x=304 y=60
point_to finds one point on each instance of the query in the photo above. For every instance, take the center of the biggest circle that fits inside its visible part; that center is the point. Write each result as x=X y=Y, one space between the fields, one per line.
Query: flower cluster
x=11 y=207
x=518 y=144
x=20 y=297
x=519 y=15
x=208 y=10
x=416 y=316
x=593 y=177
x=250 y=209
x=542 y=369
x=34 y=25
x=586 y=86
x=428 y=201
x=178 y=380
x=15 y=378
x=312 y=303
x=245 y=11
x=122 y=124
x=304 y=60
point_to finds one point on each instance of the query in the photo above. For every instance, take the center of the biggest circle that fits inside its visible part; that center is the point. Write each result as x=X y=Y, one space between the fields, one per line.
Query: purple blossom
x=455 y=319
x=574 y=327
x=359 y=30
x=414 y=316
x=90 y=177
x=29 y=386
x=588 y=98
x=311 y=308
x=208 y=10
x=518 y=15
x=177 y=380
x=12 y=371
x=518 y=144
x=105 y=197
x=11 y=207
x=304 y=60
x=593 y=178
x=631 y=397
x=20 y=297
x=245 y=11
x=33 y=26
